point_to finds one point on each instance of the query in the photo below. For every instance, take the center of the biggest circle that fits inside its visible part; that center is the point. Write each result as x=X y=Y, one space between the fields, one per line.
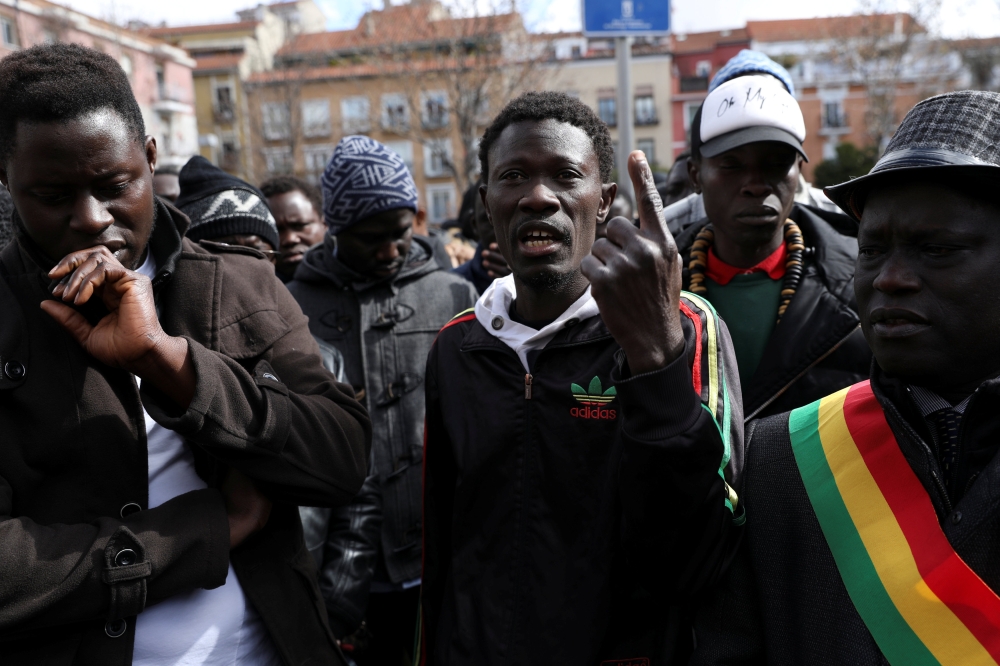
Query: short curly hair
x=61 y=82
x=284 y=184
x=550 y=105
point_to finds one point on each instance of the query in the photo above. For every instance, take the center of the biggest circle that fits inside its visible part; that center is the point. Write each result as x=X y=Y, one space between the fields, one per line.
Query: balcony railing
x=224 y=113
x=835 y=121
x=694 y=83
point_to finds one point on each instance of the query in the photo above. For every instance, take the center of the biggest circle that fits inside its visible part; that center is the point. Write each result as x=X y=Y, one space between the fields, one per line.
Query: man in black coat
x=897 y=560
x=780 y=273
x=548 y=405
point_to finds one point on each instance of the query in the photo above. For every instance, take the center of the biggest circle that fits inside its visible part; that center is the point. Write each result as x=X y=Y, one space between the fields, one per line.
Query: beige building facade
x=587 y=69
x=395 y=78
x=226 y=56
x=301 y=118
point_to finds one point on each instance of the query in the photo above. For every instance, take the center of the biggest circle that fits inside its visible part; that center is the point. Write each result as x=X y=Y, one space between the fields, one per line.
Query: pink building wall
x=168 y=111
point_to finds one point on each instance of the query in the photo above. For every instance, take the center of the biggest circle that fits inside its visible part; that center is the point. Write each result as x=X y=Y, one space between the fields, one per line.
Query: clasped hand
x=635 y=277
x=130 y=337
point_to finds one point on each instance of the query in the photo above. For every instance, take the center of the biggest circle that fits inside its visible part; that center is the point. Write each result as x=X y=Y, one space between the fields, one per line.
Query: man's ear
x=694 y=173
x=150 y=149
x=420 y=222
x=482 y=197
x=608 y=193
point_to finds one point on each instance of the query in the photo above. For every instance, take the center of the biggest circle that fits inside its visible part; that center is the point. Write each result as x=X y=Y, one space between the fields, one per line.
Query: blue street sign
x=624 y=18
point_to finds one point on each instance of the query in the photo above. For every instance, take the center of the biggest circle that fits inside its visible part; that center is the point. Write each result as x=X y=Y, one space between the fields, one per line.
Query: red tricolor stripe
x=950 y=578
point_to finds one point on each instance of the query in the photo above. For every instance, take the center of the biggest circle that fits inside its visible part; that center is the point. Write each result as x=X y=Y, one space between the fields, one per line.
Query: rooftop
x=703 y=42
x=181 y=30
x=400 y=24
x=225 y=61
x=831 y=27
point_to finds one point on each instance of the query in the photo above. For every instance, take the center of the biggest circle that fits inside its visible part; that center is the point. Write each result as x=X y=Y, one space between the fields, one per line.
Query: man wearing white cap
x=779 y=273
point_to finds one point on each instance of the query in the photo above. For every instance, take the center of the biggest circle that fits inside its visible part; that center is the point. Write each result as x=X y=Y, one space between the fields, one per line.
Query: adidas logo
x=593 y=399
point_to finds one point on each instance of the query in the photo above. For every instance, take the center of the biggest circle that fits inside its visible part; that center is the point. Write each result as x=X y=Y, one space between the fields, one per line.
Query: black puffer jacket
x=818 y=347
x=783 y=602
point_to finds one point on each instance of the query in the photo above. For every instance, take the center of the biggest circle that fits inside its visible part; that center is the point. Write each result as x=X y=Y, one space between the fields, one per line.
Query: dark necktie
x=947 y=422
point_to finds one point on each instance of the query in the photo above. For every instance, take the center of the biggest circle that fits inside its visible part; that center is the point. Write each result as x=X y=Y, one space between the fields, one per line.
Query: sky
x=958 y=18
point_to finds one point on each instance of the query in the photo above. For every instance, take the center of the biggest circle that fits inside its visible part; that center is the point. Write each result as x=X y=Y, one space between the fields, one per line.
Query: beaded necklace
x=794 y=246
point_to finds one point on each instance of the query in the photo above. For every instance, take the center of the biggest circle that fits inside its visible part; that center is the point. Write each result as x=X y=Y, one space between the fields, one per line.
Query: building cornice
x=96 y=28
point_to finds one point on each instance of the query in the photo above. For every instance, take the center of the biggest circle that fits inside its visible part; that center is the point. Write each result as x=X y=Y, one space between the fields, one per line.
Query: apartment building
x=586 y=69
x=412 y=76
x=161 y=74
x=697 y=58
x=855 y=76
x=226 y=55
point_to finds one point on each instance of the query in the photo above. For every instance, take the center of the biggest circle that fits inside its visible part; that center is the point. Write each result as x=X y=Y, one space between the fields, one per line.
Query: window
x=50 y=36
x=575 y=52
x=277 y=120
x=404 y=149
x=223 y=102
x=395 y=112
x=229 y=156
x=690 y=109
x=355 y=115
x=607 y=111
x=478 y=99
x=279 y=161
x=161 y=82
x=645 y=110
x=833 y=115
x=703 y=68
x=127 y=66
x=316 y=117
x=440 y=202
x=647 y=146
x=437 y=158
x=316 y=158
x=9 y=34
x=434 y=109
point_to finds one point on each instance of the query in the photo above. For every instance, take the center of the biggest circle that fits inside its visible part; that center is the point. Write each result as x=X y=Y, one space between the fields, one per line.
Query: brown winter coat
x=73 y=461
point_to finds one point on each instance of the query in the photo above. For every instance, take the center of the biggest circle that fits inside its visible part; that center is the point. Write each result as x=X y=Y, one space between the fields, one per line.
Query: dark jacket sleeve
x=349 y=552
x=59 y=574
x=344 y=541
x=439 y=496
x=280 y=418
x=682 y=454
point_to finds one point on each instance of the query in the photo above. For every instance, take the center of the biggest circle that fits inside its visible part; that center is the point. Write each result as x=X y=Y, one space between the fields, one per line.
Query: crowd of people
x=737 y=420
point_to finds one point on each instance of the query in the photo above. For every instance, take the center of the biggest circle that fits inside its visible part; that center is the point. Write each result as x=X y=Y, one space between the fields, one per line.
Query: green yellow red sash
x=919 y=600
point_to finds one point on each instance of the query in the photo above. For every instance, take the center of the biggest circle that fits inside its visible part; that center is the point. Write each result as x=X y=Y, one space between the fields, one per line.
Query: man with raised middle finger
x=548 y=402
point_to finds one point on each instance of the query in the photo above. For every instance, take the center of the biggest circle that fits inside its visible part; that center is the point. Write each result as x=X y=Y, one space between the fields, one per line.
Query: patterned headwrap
x=363 y=178
x=751 y=62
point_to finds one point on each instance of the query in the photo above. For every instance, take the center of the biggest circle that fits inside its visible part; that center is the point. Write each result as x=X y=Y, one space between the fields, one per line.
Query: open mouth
x=539 y=241
x=897 y=323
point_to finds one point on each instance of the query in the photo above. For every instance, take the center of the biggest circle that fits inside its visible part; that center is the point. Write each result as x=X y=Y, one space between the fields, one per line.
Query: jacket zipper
x=527 y=386
x=800 y=375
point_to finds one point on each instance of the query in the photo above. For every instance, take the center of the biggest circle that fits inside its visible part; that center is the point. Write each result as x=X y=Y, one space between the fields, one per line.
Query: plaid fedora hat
x=955 y=134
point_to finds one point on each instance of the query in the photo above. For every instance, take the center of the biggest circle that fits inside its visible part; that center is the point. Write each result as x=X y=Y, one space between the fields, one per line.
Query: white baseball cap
x=749 y=109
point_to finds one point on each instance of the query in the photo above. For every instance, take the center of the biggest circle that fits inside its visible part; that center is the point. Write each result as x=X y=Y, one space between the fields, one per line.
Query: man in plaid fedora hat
x=874 y=514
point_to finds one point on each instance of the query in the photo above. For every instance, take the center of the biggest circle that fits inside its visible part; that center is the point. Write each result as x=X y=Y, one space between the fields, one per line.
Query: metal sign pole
x=626 y=118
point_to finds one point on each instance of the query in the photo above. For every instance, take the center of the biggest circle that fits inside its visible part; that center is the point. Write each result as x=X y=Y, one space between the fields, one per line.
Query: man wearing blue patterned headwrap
x=373 y=290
